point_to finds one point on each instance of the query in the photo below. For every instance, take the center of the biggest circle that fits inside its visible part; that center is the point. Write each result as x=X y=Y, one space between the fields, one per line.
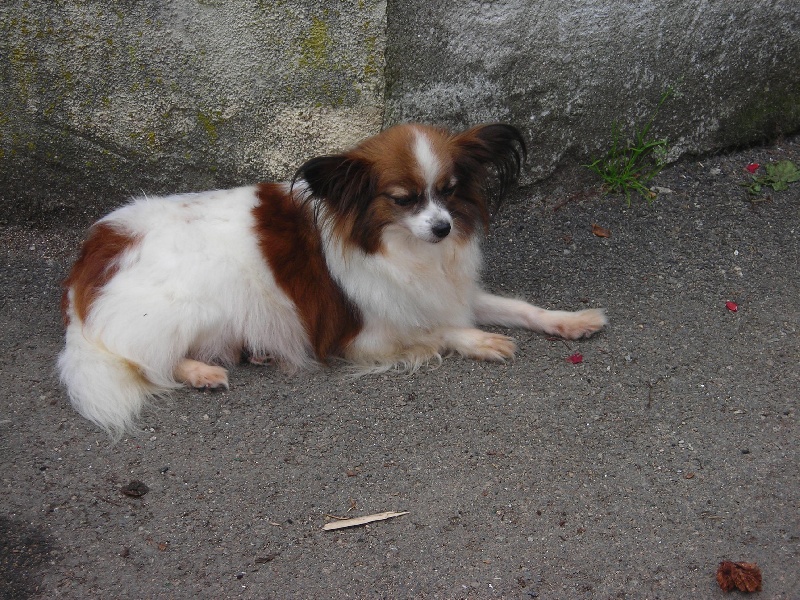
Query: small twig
x=341 y=523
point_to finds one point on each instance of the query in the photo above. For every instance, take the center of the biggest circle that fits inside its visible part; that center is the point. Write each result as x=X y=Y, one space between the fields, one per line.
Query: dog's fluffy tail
x=104 y=387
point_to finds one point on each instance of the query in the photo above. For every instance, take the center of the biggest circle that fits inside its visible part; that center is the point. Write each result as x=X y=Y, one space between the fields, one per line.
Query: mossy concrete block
x=102 y=100
x=566 y=71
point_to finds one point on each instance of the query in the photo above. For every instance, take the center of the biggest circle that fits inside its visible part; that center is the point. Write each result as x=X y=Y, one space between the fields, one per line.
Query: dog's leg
x=496 y=310
x=200 y=375
x=383 y=347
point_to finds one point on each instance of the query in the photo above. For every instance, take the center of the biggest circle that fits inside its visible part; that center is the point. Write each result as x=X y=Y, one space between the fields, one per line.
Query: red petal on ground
x=752 y=167
x=731 y=306
x=575 y=359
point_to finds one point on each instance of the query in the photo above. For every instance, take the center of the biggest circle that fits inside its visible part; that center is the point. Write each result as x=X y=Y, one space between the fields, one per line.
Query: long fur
x=371 y=256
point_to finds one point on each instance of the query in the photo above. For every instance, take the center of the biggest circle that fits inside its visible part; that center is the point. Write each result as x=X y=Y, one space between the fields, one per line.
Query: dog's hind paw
x=200 y=375
x=260 y=360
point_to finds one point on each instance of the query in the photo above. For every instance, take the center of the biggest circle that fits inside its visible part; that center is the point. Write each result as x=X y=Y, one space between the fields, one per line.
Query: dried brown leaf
x=600 y=231
x=135 y=489
x=745 y=577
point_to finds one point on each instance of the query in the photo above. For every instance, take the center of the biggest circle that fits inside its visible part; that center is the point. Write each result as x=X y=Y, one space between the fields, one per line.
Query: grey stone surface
x=565 y=71
x=101 y=100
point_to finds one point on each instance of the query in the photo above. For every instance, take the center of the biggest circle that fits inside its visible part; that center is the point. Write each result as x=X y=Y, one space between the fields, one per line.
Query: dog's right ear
x=491 y=155
x=344 y=183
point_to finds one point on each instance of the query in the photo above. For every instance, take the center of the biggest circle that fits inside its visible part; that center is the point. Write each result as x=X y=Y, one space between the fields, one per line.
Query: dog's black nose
x=441 y=229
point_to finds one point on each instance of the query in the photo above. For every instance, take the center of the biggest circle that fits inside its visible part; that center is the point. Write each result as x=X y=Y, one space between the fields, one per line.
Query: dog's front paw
x=482 y=345
x=579 y=324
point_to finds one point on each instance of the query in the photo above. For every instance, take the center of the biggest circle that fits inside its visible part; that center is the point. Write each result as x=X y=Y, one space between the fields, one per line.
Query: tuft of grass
x=778 y=176
x=632 y=162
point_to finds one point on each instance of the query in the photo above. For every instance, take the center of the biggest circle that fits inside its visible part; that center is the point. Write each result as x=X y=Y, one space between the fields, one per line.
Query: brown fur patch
x=96 y=265
x=292 y=246
x=392 y=157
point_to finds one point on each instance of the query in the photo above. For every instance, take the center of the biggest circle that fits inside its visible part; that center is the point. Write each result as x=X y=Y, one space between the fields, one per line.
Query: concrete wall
x=102 y=99
x=566 y=70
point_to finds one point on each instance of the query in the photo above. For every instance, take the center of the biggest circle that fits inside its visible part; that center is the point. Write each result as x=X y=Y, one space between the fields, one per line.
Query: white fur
x=101 y=385
x=420 y=299
x=426 y=159
x=195 y=284
x=423 y=222
x=406 y=291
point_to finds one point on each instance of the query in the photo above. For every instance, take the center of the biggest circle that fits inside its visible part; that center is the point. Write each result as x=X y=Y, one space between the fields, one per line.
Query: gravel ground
x=671 y=447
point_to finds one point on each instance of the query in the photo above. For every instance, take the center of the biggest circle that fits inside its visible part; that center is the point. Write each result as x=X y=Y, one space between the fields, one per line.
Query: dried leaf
x=745 y=577
x=361 y=520
x=135 y=489
x=600 y=231
x=575 y=359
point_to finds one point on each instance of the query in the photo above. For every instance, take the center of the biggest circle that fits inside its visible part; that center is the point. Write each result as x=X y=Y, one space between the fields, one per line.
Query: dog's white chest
x=411 y=284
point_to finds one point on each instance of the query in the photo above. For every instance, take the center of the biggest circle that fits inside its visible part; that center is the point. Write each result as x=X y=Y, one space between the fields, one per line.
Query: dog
x=371 y=256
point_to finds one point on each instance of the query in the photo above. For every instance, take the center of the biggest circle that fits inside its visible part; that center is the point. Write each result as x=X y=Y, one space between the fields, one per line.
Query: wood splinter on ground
x=342 y=523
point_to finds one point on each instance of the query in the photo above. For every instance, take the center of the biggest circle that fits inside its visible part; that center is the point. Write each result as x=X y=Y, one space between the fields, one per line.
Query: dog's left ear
x=494 y=151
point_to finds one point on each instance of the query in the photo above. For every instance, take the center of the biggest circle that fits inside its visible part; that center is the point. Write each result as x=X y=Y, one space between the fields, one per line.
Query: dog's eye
x=447 y=191
x=404 y=200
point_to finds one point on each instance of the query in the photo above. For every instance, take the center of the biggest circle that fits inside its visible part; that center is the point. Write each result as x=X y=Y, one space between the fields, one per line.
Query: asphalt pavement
x=632 y=472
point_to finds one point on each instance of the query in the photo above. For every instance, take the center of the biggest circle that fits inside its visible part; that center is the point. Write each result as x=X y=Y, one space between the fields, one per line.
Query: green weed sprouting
x=630 y=164
x=778 y=176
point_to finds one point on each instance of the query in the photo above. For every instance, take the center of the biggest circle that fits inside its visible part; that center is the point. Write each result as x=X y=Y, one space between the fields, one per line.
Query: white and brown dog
x=372 y=256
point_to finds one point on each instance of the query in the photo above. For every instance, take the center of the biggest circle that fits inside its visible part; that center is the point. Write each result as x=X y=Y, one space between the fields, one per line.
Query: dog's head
x=433 y=184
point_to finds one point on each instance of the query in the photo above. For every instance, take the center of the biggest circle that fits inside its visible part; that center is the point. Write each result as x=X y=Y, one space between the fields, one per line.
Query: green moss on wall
x=209 y=122
x=372 y=64
x=315 y=47
x=24 y=65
